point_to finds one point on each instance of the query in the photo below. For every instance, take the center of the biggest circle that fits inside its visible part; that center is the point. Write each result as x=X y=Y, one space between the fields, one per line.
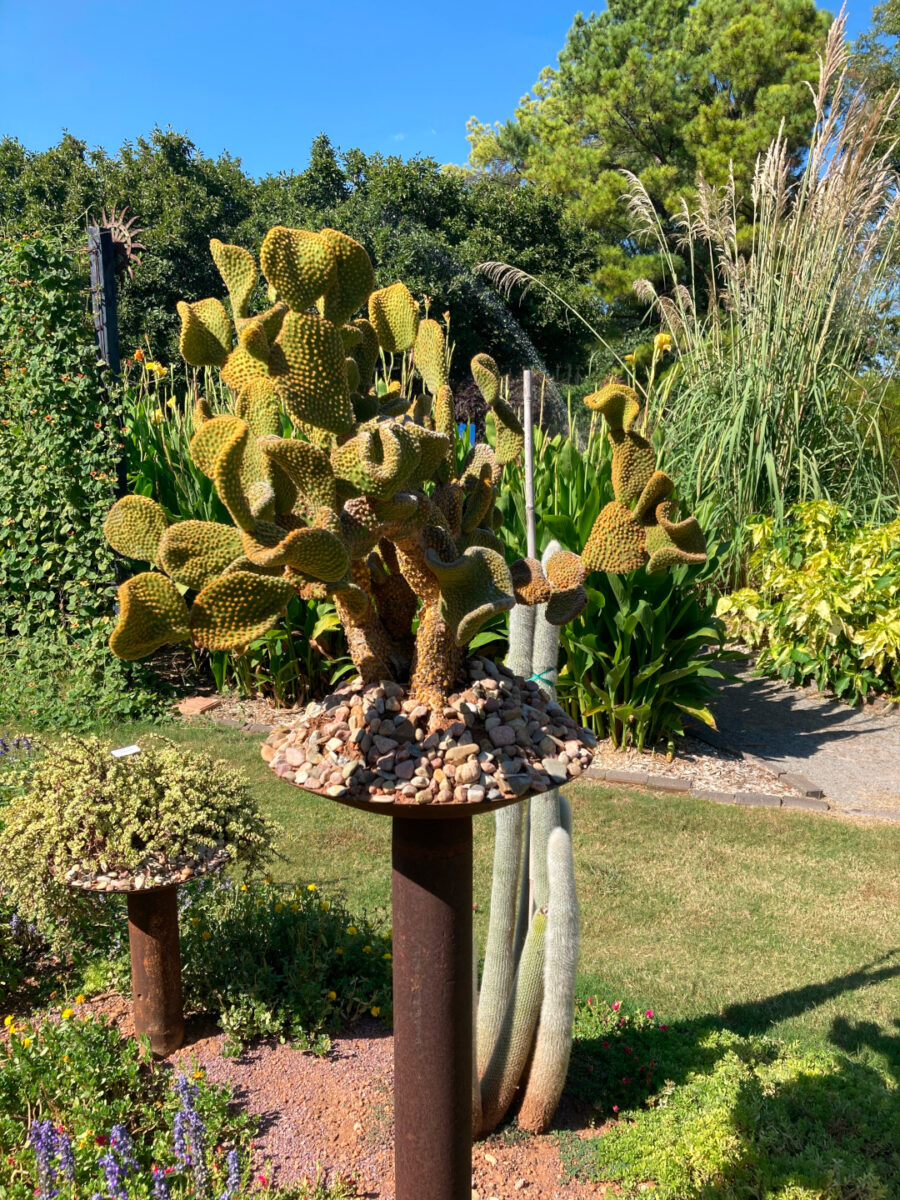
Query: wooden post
x=106 y=321
x=530 y=531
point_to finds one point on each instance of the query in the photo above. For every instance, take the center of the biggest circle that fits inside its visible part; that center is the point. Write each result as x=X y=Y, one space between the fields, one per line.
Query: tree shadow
x=811 y=1119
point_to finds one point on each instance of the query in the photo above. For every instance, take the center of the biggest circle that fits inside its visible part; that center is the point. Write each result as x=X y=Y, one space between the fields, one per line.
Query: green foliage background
x=59 y=444
x=418 y=221
x=663 y=89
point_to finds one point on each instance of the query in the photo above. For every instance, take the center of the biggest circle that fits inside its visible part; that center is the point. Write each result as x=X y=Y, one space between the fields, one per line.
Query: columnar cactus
x=364 y=504
x=527 y=995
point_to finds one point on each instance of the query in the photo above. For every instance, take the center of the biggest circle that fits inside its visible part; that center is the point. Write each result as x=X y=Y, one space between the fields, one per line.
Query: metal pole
x=156 y=967
x=432 y=912
x=528 y=422
x=106 y=320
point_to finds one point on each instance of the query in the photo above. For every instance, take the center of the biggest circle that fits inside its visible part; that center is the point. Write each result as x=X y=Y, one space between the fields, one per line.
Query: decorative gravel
x=155 y=873
x=497 y=739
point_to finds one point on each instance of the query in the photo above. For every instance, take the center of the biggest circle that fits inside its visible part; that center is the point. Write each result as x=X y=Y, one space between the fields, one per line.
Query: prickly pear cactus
x=364 y=503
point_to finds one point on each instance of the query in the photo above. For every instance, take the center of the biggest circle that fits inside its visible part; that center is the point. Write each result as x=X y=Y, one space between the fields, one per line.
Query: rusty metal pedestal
x=156 y=967
x=432 y=913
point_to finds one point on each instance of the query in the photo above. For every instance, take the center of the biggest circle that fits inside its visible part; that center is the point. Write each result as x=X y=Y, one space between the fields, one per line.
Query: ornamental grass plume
x=784 y=374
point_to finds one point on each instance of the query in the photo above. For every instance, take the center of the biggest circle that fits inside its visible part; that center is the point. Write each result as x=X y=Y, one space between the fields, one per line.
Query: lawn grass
x=763 y=921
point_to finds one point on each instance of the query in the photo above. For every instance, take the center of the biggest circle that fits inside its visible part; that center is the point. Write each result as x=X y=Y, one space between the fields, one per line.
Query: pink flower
x=649 y=1012
x=663 y=1028
x=615 y=1108
x=616 y=1006
x=590 y=999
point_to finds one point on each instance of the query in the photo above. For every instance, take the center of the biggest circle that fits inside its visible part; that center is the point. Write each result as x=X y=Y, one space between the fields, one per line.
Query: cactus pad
x=239 y=274
x=616 y=542
x=377 y=461
x=300 y=265
x=474 y=588
x=307 y=365
x=135 y=526
x=236 y=608
x=151 y=613
x=530 y=584
x=394 y=315
x=487 y=377
x=617 y=402
x=194 y=552
x=431 y=356
x=205 y=333
x=353 y=279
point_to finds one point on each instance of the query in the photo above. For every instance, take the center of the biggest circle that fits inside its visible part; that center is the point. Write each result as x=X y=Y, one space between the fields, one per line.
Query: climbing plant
x=59 y=440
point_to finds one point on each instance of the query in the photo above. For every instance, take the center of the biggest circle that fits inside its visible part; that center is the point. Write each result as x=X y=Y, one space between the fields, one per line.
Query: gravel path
x=852 y=754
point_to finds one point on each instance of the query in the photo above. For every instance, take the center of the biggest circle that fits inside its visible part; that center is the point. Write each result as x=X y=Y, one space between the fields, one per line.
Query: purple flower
x=42 y=1137
x=160 y=1186
x=189 y=1136
x=233 y=1180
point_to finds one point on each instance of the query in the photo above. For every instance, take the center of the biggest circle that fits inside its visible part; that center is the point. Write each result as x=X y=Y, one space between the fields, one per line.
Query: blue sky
x=261 y=82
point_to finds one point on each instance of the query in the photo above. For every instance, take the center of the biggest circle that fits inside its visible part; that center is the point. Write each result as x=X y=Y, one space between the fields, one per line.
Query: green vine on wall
x=60 y=435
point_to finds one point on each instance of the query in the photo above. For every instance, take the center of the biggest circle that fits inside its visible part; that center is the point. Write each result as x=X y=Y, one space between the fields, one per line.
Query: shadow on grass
x=718 y=1110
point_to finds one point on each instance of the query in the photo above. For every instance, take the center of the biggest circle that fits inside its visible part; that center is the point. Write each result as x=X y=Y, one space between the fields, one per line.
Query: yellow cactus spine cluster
x=364 y=502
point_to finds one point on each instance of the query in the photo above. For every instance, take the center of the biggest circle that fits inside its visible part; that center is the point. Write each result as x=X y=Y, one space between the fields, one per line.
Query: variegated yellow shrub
x=824 y=604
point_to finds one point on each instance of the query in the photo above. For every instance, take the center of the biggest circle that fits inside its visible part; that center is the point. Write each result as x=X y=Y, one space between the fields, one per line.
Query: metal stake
x=432 y=912
x=528 y=422
x=156 y=967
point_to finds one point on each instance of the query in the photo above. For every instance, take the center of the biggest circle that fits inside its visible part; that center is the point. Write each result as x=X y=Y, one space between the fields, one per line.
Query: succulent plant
x=364 y=504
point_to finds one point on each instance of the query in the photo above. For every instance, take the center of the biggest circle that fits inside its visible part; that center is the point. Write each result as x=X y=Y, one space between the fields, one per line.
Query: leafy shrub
x=59 y=445
x=825 y=604
x=640 y=655
x=75 y=1097
x=84 y=808
x=271 y=959
x=49 y=681
x=709 y=1115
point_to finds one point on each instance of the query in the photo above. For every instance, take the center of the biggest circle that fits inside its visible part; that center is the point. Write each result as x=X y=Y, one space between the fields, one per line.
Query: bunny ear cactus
x=364 y=503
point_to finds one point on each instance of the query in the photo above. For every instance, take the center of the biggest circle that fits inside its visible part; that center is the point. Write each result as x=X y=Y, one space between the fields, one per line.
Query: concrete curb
x=812 y=801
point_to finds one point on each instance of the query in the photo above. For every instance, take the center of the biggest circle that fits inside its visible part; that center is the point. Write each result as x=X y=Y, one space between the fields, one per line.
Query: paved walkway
x=853 y=755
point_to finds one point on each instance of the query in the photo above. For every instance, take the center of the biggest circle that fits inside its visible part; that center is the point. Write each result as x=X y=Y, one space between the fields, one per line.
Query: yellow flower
x=279 y=907
x=158 y=417
x=7 y=1021
x=339 y=950
x=375 y=1010
x=311 y=887
x=367 y=949
x=79 y=999
x=662 y=342
x=351 y=929
x=67 y=1013
x=332 y=995
x=170 y=403
x=198 y=1074
x=324 y=906
x=26 y=1042
x=206 y=935
x=295 y=907
x=629 y=358
x=158 y=369
x=243 y=887
x=388 y=956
